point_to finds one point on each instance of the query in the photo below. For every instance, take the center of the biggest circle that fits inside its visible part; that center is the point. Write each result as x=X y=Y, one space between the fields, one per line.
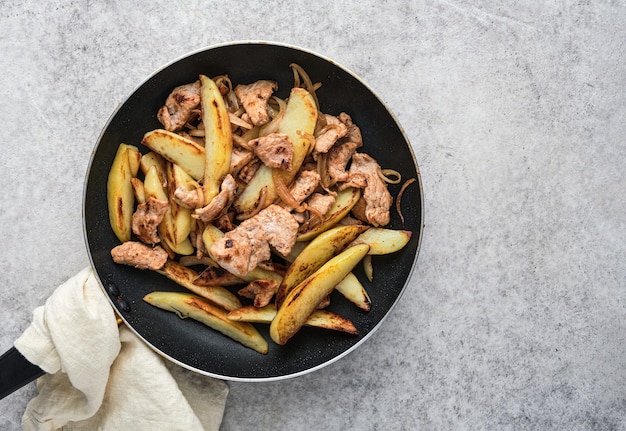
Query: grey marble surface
x=515 y=317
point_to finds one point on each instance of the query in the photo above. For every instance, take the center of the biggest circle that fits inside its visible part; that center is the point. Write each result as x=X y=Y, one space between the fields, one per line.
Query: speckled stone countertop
x=515 y=317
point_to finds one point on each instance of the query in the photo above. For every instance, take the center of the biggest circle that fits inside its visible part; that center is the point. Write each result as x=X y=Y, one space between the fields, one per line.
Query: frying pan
x=187 y=342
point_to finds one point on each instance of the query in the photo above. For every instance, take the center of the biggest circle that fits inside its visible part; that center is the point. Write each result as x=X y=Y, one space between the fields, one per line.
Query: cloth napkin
x=101 y=376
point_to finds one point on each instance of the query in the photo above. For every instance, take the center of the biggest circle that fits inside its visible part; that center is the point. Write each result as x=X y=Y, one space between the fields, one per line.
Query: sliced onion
x=283 y=192
x=299 y=73
x=399 y=198
x=385 y=175
x=234 y=119
x=272 y=126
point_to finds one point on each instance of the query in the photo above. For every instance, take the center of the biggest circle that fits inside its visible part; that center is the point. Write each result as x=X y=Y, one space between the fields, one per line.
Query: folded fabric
x=101 y=376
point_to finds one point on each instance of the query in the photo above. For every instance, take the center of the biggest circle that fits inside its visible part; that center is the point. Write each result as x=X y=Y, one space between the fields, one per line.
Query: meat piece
x=327 y=137
x=320 y=203
x=254 y=98
x=238 y=159
x=146 y=219
x=247 y=172
x=304 y=185
x=191 y=199
x=139 y=255
x=275 y=150
x=220 y=203
x=242 y=249
x=338 y=158
x=179 y=106
x=261 y=291
x=376 y=196
x=354 y=133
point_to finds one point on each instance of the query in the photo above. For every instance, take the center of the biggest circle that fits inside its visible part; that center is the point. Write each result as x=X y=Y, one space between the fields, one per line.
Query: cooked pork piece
x=191 y=199
x=338 y=158
x=333 y=130
x=179 y=106
x=246 y=173
x=261 y=291
x=304 y=185
x=254 y=99
x=139 y=255
x=376 y=196
x=274 y=150
x=238 y=159
x=354 y=133
x=146 y=219
x=320 y=203
x=242 y=249
x=220 y=203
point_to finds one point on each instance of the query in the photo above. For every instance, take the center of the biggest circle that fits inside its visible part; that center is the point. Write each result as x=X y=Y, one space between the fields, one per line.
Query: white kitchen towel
x=101 y=376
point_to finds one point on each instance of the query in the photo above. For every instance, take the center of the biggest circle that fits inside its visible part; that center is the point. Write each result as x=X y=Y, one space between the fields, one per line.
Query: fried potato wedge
x=345 y=201
x=319 y=318
x=218 y=137
x=185 y=277
x=383 y=241
x=120 y=194
x=193 y=306
x=177 y=149
x=352 y=289
x=181 y=216
x=298 y=123
x=319 y=251
x=304 y=298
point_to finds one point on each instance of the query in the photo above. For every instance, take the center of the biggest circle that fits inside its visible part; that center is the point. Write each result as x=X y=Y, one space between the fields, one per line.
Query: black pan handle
x=16 y=371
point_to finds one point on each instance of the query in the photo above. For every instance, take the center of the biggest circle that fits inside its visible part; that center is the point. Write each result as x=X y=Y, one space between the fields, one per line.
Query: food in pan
x=257 y=203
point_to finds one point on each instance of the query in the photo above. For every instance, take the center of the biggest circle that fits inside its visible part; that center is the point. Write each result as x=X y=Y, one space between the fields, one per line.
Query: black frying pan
x=189 y=343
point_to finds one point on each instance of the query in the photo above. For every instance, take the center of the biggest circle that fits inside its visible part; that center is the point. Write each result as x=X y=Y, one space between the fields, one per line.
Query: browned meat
x=354 y=133
x=242 y=249
x=254 y=99
x=376 y=196
x=247 y=172
x=179 y=106
x=146 y=219
x=327 y=137
x=220 y=203
x=139 y=255
x=320 y=203
x=261 y=291
x=338 y=158
x=191 y=199
x=275 y=150
x=238 y=159
x=304 y=185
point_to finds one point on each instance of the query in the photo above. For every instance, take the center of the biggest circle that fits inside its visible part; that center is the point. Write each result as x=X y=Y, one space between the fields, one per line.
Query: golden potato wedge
x=352 y=289
x=177 y=149
x=181 y=216
x=120 y=194
x=189 y=305
x=383 y=241
x=345 y=201
x=138 y=190
x=185 y=277
x=153 y=159
x=319 y=251
x=218 y=137
x=319 y=318
x=368 y=268
x=298 y=123
x=304 y=298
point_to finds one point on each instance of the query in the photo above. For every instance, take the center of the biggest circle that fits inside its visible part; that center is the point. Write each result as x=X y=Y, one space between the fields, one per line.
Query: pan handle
x=16 y=371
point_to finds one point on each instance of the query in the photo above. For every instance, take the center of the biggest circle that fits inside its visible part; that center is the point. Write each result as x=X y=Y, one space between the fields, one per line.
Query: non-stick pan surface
x=188 y=342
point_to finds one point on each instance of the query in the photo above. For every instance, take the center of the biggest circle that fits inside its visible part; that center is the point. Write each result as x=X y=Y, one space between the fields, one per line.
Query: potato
x=319 y=318
x=299 y=121
x=352 y=289
x=304 y=298
x=185 y=277
x=177 y=149
x=383 y=241
x=319 y=251
x=346 y=199
x=189 y=305
x=120 y=194
x=218 y=138
x=181 y=216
